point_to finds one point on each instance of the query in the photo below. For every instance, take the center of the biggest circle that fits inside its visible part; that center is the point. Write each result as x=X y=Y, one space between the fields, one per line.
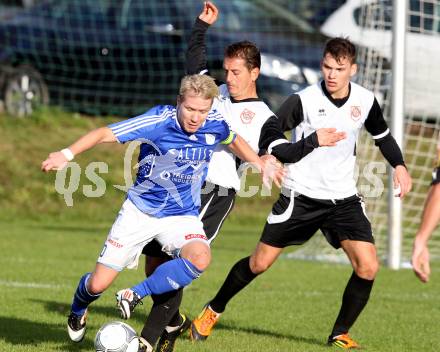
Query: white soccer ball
x=116 y=337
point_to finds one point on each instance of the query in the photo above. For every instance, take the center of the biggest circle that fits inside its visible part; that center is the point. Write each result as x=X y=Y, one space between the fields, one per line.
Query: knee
x=96 y=286
x=201 y=260
x=198 y=254
x=258 y=265
x=368 y=271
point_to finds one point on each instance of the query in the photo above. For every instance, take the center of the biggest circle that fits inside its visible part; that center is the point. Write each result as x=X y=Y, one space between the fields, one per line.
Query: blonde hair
x=200 y=85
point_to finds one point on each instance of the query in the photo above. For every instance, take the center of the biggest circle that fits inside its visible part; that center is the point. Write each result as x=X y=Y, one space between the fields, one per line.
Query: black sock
x=356 y=295
x=164 y=309
x=238 y=278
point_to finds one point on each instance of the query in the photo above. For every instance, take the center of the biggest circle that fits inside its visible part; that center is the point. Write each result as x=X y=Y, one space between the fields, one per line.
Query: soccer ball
x=116 y=337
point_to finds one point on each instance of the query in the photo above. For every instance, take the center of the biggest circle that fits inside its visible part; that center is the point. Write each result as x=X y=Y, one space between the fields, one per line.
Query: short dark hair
x=340 y=48
x=247 y=51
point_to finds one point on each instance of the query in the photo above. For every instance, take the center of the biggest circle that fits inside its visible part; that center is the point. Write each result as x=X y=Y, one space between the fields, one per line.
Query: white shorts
x=133 y=229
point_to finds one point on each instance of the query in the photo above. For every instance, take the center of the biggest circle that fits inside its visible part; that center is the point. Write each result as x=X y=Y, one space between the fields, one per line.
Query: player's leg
x=89 y=289
x=240 y=275
x=243 y=272
x=363 y=258
x=121 y=249
x=169 y=276
x=182 y=236
x=216 y=204
x=280 y=230
x=350 y=226
x=166 y=305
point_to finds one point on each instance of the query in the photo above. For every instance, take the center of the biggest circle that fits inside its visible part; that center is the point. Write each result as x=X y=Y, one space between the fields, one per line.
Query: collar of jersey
x=244 y=100
x=337 y=102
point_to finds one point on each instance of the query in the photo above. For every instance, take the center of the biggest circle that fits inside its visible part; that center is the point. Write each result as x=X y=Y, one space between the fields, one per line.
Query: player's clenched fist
x=209 y=13
x=328 y=137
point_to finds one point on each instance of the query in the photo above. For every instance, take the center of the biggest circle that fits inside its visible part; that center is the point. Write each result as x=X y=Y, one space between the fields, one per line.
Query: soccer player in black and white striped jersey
x=320 y=191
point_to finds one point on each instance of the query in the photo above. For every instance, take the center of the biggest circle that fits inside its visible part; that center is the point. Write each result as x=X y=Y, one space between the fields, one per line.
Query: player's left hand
x=402 y=180
x=420 y=261
x=272 y=170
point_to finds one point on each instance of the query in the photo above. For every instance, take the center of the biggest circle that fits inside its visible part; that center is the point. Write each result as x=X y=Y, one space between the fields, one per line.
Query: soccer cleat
x=126 y=301
x=343 y=341
x=168 y=339
x=76 y=326
x=144 y=346
x=201 y=326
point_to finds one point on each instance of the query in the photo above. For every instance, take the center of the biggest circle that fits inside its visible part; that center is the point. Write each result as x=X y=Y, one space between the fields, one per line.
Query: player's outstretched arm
x=195 y=57
x=58 y=160
x=430 y=219
x=267 y=166
x=273 y=140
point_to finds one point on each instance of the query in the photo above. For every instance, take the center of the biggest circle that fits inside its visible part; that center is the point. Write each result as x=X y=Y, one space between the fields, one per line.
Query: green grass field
x=289 y=308
x=46 y=246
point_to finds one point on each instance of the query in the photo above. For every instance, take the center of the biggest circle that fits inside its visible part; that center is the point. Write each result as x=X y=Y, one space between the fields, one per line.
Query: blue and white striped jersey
x=172 y=163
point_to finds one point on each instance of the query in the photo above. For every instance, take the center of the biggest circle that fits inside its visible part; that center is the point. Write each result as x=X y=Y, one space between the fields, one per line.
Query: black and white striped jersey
x=327 y=172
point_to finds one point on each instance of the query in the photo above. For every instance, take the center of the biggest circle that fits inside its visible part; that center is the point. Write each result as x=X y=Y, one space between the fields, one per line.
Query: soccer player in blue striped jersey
x=176 y=146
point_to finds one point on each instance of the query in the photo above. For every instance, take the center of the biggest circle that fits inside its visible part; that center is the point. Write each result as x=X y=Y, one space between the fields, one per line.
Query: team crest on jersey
x=210 y=138
x=355 y=113
x=247 y=116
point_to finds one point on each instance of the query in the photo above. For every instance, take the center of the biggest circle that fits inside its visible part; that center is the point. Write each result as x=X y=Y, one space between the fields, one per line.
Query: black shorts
x=216 y=204
x=436 y=176
x=294 y=220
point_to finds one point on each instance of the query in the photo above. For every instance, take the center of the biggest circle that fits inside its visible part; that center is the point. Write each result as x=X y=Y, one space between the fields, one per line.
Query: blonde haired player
x=163 y=203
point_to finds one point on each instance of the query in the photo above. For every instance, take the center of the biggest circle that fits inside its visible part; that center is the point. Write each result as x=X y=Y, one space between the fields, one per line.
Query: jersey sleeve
x=228 y=136
x=230 y=139
x=145 y=126
x=375 y=122
x=196 y=51
x=290 y=113
x=378 y=128
x=273 y=140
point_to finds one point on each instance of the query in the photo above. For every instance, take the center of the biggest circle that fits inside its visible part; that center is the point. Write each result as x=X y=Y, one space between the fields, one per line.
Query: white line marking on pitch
x=28 y=285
